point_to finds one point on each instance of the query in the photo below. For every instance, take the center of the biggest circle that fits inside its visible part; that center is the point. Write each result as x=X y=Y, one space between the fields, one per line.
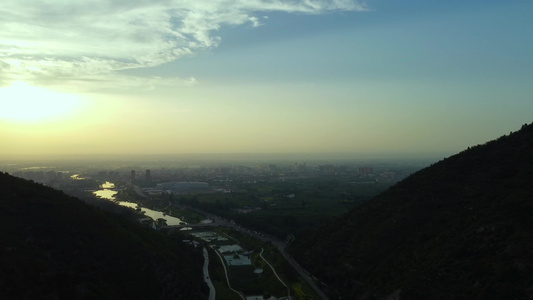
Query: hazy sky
x=272 y=76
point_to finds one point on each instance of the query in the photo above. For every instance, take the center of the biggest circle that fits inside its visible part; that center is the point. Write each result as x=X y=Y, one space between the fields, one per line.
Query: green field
x=243 y=278
x=283 y=208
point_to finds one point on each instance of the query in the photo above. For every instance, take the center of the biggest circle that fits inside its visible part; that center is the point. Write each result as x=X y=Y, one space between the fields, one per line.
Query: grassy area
x=301 y=292
x=283 y=208
x=216 y=273
x=244 y=279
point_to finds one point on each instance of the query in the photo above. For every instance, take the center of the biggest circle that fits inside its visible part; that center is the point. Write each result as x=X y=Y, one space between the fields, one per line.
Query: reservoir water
x=106 y=192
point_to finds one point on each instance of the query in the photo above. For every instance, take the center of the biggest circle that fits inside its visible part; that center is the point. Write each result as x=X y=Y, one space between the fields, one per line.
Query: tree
x=161 y=222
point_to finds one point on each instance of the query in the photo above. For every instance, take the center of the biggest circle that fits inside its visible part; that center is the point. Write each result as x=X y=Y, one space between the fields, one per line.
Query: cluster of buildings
x=233 y=254
x=182 y=187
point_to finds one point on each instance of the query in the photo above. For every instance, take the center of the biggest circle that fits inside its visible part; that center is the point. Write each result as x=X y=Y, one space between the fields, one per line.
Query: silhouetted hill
x=459 y=229
x=56 y=247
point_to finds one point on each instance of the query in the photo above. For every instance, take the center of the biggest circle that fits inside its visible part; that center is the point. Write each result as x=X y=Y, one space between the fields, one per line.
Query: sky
x=383 y=78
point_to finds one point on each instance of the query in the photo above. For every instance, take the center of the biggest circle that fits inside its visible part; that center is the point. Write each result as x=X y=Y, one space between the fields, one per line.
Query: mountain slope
x=459 y=229
x=56 y=247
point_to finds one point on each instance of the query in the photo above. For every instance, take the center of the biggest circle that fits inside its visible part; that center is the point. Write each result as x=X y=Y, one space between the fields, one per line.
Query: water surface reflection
x=109 y=194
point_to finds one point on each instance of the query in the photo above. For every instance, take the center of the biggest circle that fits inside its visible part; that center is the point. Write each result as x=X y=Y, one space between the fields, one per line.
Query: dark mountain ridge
x=56 y=247
x=459 y=229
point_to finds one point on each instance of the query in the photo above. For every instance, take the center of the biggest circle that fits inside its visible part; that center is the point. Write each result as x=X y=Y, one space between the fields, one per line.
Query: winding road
x=218 y=221
x=212 y=291
x=275 y=273
x=227 y=277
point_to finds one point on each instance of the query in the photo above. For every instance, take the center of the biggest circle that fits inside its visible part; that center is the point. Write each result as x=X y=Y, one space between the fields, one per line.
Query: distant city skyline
x=373 y=78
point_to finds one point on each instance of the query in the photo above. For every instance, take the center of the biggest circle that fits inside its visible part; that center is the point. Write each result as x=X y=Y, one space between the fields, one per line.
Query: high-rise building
x=132 y=176
x=148 y=176
x=365 y=171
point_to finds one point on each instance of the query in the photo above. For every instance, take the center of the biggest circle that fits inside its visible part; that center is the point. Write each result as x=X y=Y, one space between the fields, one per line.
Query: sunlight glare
x=25 y=103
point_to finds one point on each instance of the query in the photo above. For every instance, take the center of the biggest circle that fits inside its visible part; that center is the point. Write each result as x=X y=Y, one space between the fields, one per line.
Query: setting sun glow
x=22 y=102
x=377 y=79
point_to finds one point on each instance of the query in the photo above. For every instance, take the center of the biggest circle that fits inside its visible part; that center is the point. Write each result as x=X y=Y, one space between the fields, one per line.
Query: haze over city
x=382 y=78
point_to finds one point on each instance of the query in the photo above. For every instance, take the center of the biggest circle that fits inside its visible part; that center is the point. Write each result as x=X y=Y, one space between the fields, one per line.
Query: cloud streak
x=51 y=41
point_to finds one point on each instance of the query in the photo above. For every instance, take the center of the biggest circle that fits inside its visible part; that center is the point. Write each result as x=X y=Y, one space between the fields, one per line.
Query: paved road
x=227 y=277
x=218 y=221
x=304 y=274
x=212 y=291
x=275 y=273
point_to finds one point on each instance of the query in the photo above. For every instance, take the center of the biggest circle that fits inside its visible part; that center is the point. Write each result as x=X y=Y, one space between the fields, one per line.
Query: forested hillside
x=459 y=229
x=56 y=247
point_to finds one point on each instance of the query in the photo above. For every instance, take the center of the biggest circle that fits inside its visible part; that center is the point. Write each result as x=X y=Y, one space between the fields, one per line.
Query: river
x=107 y=192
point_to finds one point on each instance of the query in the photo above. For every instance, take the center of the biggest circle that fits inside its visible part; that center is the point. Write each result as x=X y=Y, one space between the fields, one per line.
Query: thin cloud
x=255 y=21
x=77 y=40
